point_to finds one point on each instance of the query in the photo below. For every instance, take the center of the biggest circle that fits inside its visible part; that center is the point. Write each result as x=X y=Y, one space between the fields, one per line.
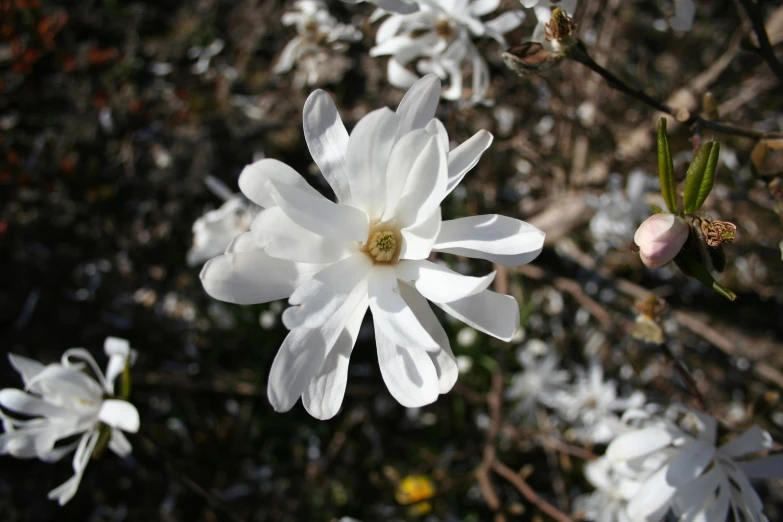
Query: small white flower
x=439 y=39
x=63 y=401
x=592 y=404
x=370 y=249
x=316 y=49
x=204 y=55
x=540 y=380
x=689 y=473
x=214 y=231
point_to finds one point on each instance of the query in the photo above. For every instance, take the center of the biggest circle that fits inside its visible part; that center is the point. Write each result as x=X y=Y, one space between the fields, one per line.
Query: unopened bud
x=660 y=238
x=530 y=58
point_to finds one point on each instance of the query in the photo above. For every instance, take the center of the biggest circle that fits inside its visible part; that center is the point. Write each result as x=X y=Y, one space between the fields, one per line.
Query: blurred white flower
x=204 y=55
x=317 y=49
x=369 y=249
x=689 y=473
x=591 y=405
x=214 y=231
x=619 y=213
x=61 y=401
x=614 y=486
x=539 y=381
x=466 y=336
x=439 y=39
x=464 y=363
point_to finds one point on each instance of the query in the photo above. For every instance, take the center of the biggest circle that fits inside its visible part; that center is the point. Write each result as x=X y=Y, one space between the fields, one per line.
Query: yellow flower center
x=382 y=246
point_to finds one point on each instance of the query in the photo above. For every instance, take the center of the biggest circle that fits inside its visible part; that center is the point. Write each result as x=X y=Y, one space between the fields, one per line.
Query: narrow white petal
x=288 y=55
x=318 y=298
x=119 y=352
x=465 y=156
x=692 y=459
x=489 y=312
x=81 y=458
x=253 y=179
x=419 y=239
x=388 y=28
x=637 y=443
x=444 y=360
x=27 y=368
x=436 y=128
x=506 y=22
x=253 y=277
x=392 y=315
x=119 y=444
x=303 y=353
x=653 y=499
x=324 y=395
x=319 y=215
x=425 y=187
x=401 y=160
x=327 y=141
x=770 y=467
x=409 y=373
x=20 y=402
x=483 y=7
x=368 y=153
x=752 y=440
x=439 y=283
x=419 y=104
x=119 y=414
x=280 y=237
x=399 y=75
x=496 y=238
x=397 y=6
x=245 y=242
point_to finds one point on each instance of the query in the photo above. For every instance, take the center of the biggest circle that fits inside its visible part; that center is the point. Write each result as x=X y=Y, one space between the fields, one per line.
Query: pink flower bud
x=660 y=238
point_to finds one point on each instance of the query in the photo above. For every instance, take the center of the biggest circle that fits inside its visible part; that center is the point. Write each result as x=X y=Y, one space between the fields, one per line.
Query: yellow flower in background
x=413 y=489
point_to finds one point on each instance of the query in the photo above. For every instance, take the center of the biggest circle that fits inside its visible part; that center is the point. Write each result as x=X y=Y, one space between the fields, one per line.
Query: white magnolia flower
x=540 y=380
x=689 y=473
x=214 y=231
x=592 y=405
x=369 y=249
x=614 y=486
x=61 y=401
x=543 y=10
x=439 y=39
x=317 y=49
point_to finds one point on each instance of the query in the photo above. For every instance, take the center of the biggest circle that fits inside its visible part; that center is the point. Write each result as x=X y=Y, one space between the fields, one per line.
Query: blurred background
x=112 y=115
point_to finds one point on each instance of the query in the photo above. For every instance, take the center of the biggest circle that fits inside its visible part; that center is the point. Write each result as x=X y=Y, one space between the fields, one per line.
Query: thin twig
x=524 y=488
x=765 y=47
x=491 y=496
x=579 y=54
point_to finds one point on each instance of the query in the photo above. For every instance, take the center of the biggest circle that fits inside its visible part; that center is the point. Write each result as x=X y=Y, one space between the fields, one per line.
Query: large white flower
x=62 y=401
x=317 y=49
x=439 y=39
x=689 y=473
x=592 y=404
x=214 y=231
x=369 y=249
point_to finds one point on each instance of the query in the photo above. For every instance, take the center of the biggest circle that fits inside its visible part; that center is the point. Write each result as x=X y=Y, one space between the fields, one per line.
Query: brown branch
x=579 y=54
x=524 y=488
x=765 y=47
x=494 y=398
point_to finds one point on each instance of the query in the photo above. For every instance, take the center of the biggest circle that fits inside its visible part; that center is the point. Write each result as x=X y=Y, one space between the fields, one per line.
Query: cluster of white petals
x=672 y=463
x=318 y=49
x=591 y=404
x=214 y=231
x=614 y=486
x=62 y=400
x=369 y=249
x=438 y=38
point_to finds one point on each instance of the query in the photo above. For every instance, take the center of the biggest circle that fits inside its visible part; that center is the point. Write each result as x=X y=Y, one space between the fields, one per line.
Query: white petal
x=652 y=500
x=465 y=156
x=496 y=238
x=324 y=395
x=489 y=312
x=436 y=128
x=392 y=315
x=401 y=160
x=303 y=353
x=439 y=283
x=245 y=242
x=280 y=237
x=506 y=22
x=388 y=28
x=444 y=360
x=253 y=179
x=752 y=440
x=27 y=368
x=119 y=352
x=409 y=373
x=119 y=414
x=318 y=298
x=397 y=6
x=399 y=75
x=483 y=7
x=288 y=55
x=327 y=141
x=20 y=402
x=419 y=104
x=67 y=490
x=368 y=153
x=119 y=444
x=253 y=277
x=319 y=215
x=770 y=467
x=637 y=443
x=419 y=239
x=692 y=459
x=425 y=186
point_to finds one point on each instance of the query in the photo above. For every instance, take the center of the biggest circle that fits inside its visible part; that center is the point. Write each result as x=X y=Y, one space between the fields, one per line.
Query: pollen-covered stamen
x=382 y=246
x=444 y=28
